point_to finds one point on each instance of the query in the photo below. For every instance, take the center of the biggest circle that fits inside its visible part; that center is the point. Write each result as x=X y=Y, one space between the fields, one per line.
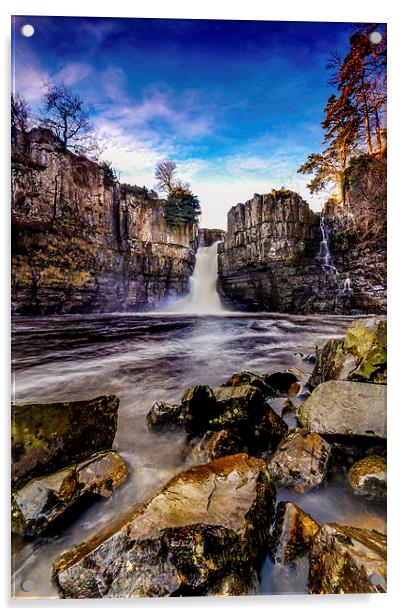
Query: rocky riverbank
x=210 y=528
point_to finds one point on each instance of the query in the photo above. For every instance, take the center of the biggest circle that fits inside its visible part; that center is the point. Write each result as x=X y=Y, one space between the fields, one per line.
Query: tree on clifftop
x=182 y=207
x=354 y=116
x=65 y=114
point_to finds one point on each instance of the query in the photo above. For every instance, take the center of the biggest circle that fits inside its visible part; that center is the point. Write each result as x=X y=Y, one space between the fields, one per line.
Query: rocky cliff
x=273 y=256
x=207 y=237
x=84 y=243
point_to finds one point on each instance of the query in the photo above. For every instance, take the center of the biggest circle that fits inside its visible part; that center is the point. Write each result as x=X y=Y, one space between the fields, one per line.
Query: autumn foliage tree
x=354 y=117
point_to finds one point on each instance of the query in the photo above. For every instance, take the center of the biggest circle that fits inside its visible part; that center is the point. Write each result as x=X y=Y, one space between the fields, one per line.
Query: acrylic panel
x=198 y=307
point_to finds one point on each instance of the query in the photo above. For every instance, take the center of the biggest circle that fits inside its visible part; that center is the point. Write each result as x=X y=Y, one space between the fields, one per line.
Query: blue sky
x=237 y=104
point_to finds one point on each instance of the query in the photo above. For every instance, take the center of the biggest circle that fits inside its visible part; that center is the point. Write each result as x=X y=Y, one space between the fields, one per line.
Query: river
x=149 y=357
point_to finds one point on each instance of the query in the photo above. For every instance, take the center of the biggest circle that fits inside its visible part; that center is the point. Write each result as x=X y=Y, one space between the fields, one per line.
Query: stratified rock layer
x=48 y=437
x=206 y=523
x=82 y=242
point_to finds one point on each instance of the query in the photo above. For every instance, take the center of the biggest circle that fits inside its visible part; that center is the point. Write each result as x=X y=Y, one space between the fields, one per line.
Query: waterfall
x=203 y=297
x=324 y=255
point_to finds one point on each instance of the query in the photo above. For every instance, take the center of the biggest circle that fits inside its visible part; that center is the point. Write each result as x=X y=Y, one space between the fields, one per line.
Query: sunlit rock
x=41 y=501
x=369 y=476
x=205 y=524
x=293 y=533
x=215 y=445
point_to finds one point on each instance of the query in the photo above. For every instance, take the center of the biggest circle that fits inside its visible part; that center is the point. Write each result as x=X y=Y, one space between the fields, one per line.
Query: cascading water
x=324 y=255
x=203 y=297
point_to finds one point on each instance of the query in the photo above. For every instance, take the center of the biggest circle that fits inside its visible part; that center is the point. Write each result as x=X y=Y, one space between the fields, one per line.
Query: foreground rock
x=346 y=408
x=361 y=356
x=293 y=533
x=163 y=417
x=48 y=437
x=205 y=524
x=347 y=560
x=234 y=586
x=300 y=461
x=215 y=445
x=368 y=477
x=41 y=501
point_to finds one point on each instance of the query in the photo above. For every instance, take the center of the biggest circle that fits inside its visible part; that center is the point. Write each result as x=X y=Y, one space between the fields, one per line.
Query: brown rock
x=369 y=476
x=293 y=533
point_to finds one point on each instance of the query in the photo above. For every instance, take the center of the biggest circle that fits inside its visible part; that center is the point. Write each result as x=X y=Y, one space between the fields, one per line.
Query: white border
x=294 y=10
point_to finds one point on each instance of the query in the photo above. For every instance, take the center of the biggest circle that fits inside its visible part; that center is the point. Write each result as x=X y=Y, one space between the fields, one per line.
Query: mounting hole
x=27 y=30
x=375 y=37
x=27 y=585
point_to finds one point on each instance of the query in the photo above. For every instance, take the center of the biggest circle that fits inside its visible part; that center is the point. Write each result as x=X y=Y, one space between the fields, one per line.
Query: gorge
x=85 y=243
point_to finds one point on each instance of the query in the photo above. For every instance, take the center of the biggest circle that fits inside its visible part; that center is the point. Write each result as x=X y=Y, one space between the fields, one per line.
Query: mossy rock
x=48 y=437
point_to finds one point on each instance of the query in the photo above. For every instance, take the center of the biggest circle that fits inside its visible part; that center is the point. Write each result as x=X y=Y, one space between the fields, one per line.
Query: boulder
x=48 y=437
x=244 y=411
x=215 y=445
x=197 y=408
x=369 y=476
x=293 y=533
x=345 y=408
x=41 y=501
x=347 y=560
x=300 y=461
x=205 y=524
x=163 y=417
x=249 y=378
x=235 y=586
x=360 y=356
x=282 y=382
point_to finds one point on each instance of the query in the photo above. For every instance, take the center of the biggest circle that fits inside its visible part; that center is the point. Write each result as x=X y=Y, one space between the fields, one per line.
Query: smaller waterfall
x=203 y=297
x=347 y=286
x=324 y=257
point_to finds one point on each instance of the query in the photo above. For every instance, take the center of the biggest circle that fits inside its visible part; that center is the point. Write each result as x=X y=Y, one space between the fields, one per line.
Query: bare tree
x=65 y=114
x=165 y=175
x=20 y=112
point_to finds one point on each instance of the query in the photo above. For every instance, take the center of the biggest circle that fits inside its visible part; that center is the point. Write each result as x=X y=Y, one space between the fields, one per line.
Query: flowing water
x=143 y=358
x=203 y=297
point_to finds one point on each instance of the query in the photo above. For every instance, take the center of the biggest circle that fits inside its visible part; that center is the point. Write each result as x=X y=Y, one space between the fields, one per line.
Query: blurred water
x=144 y=358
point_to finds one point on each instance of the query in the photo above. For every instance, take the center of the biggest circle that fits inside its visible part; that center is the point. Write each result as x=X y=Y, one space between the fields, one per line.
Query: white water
x=324 y=254
x=203 y=297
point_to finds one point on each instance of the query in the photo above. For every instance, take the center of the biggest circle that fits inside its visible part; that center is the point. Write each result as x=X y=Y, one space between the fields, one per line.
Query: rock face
x=300 y=461
x=293 y=533
x=47 y=437
x=207 y=237
x=347 y=560
x=369 y=476
x=345 y=408
x=269 y=260
x=361 y=356
x=42 y=500
x=205 y=524
x=84 y=243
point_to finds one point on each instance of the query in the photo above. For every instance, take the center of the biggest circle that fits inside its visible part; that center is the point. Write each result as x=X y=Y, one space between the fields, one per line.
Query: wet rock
x=249 y=378
x=369 y=476
x=234 y=586
x=293 y=533
x=300 y=461
x=360 y=356
x=345 y=408
x=215 y=445
x=366 y=339
x=347 y=560
x=206 y=523
x=48 y=437
x=282 y=382
x=332 y=363
x=163 y=417
x=244 y=412
x=197 y=408
x=36 y=505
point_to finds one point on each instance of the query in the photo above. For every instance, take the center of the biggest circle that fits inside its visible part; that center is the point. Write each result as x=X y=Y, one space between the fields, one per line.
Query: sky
x=237 y=105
